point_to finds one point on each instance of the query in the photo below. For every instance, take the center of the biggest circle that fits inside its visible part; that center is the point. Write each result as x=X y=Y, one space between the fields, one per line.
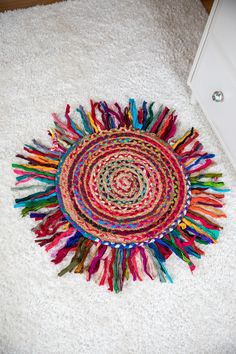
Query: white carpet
x=106 y=49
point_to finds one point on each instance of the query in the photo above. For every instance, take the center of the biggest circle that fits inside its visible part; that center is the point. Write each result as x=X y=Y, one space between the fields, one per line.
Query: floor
x=107 y=49
x=6 y=5
x=207 y=4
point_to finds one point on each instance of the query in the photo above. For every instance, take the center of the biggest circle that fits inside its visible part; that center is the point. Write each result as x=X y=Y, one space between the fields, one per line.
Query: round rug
x=120 y=193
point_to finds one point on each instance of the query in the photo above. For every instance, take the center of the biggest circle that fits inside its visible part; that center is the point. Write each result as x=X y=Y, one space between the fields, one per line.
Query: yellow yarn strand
x=44 y=160
x=130 y=116
x=92 y=122
x=40 y=168
x=198 y=229
x=181 y=139
x=189 y=162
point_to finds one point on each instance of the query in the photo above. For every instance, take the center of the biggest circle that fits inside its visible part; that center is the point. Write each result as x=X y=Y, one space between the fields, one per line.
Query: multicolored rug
x=120 y=194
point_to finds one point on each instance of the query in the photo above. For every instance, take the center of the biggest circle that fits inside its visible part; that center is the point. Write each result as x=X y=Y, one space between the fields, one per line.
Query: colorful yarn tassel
x=112 y=256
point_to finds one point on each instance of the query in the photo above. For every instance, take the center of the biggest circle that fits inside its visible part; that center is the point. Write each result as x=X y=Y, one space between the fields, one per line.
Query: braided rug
x=121 y=193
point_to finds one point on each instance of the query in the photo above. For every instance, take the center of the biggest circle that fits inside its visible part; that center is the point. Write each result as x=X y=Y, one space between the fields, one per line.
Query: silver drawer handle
x=218 y=96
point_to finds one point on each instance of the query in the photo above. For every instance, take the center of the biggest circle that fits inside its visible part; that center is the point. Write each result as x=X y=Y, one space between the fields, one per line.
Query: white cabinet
x=213 y=75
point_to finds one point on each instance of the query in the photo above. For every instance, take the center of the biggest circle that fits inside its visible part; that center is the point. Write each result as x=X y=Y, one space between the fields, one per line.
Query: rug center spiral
x=125 y=182
x=122 y=187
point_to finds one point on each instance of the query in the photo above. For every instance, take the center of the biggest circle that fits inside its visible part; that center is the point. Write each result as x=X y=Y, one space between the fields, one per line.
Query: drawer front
x=214 y=73
x=223 y=30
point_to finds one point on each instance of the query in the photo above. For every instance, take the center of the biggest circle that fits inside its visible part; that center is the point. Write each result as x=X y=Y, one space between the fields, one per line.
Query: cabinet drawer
x=223 y=30
x=214 y=73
